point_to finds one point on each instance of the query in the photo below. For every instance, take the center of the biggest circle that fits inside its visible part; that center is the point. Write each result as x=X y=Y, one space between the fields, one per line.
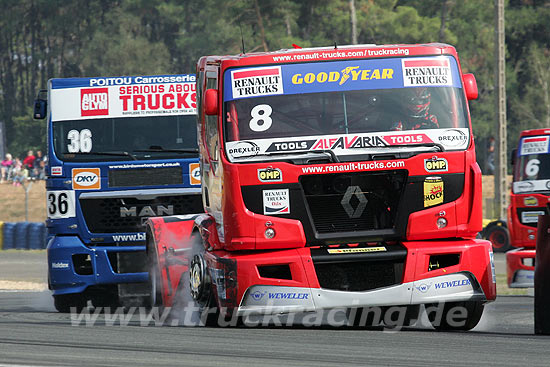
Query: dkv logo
x=195 y=173
x=86 y=179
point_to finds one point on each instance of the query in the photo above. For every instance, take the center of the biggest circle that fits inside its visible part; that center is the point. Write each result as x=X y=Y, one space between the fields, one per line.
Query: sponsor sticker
x=243 y=149
x=60 y=265
x=270 y=175
x=435 y=164
x=86 y=179
x=534 y=145
x=355 y=250
x=433 y=191
x=427 y=72
x=453 y=138
x=276 y=201
x=256 y=82
x=423 y=287
x=56 y=171
x=94 y=101
x=530 y=201
x=452 y=284
x=531 y=217
x=195 y=173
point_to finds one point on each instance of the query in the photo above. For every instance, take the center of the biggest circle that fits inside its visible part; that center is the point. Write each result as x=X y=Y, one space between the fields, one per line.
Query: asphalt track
x=32 y=333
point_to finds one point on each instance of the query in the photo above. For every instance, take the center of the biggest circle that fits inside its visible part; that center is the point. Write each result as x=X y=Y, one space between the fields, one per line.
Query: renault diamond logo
x=346 y=202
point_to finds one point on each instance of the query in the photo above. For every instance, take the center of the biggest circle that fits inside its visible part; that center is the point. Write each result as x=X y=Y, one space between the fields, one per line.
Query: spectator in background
x=491 y=156
x=5 y=168
x=28 y=162
x=39 y=166
x=19 y=172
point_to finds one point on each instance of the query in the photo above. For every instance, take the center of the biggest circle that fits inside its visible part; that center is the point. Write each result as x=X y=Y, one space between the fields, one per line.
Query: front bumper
x=471 y=278
x=65 y=274
x=519 y=273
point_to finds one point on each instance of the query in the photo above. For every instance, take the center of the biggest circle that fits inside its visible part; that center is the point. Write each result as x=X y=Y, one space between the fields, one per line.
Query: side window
x=211 y=133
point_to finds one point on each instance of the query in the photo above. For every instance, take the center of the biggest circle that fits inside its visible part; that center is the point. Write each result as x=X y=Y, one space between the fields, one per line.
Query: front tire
x=473 y=309
x=66 y=303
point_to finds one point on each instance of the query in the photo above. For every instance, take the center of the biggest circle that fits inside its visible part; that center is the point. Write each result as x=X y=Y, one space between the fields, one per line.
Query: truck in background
x=529 y=198
x=121 y=149
x=332 y=178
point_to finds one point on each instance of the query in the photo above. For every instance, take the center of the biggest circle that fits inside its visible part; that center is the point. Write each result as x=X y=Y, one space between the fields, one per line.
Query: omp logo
x=86 y=179
x=270 y=175
x=435 y=164
x=342 y=76
x=195 y=174
x=94 y=101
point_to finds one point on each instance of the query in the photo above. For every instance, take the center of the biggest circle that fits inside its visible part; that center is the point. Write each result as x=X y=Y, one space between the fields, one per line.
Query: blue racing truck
x=120 y=150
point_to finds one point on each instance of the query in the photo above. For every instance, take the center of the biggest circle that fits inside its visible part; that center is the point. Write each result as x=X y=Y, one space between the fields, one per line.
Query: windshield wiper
x=324 y=152
x=161 y=149
x=430 y=145
x=115 y=153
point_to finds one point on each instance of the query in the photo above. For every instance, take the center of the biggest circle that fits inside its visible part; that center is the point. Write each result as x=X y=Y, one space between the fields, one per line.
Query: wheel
x=499 y=237
x=67 y=303
x=155 y=286
x=456 y=315
x=194 y=300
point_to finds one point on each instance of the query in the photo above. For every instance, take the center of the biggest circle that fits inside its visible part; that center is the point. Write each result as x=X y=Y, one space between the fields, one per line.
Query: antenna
x=242 y=37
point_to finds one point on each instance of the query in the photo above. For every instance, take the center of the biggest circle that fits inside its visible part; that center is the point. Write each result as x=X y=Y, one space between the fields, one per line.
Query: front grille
x=137 y=177
x=113 y=215
x=353 y=202
x=361 y=268
x=359 y=276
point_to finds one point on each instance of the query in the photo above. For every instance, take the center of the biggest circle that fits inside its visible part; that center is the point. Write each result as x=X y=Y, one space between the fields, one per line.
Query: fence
x=23 y=236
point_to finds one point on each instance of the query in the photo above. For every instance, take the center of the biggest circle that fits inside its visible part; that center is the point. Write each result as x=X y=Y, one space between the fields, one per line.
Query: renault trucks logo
x=257 y=82
x=360 y=198
x=426 y=72
x=94 y=101
x=86 y=179
x=276 y=202
x=195 y=173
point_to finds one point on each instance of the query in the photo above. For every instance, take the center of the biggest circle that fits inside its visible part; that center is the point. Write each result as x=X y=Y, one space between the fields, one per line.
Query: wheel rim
x=497 y=239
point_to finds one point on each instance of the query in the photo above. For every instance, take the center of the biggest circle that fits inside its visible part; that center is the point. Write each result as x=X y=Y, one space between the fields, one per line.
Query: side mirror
x=470 y=85
x=513 y=156
x=211 y=102
x=40 y=105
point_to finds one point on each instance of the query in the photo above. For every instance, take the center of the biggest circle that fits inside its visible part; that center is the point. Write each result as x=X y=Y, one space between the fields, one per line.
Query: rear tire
x=65 y=302
x=474 y=311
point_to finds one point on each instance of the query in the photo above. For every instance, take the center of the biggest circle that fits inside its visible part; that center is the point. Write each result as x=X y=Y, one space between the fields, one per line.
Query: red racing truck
x=528 y=199
x=331 y=178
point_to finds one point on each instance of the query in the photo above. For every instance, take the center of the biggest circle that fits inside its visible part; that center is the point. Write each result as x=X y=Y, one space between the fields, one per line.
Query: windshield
x=126 y=138
x=348 y=107
x=532 y=169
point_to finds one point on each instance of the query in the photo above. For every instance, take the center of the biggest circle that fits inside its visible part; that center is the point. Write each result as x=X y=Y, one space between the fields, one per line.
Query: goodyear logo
x=436 y=165
x=270 y=175
x=433 y=191
x=356 y=250
x=351 y=72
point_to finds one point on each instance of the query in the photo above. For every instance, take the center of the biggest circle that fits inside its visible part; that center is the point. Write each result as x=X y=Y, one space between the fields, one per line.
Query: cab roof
x=337 y=52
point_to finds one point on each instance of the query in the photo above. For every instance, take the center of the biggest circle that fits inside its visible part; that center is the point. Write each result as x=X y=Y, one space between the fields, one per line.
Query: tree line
x=43 y=39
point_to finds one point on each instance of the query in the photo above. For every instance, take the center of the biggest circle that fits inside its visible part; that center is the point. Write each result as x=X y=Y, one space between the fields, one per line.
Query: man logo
x=86 y=179
x=270 y=175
